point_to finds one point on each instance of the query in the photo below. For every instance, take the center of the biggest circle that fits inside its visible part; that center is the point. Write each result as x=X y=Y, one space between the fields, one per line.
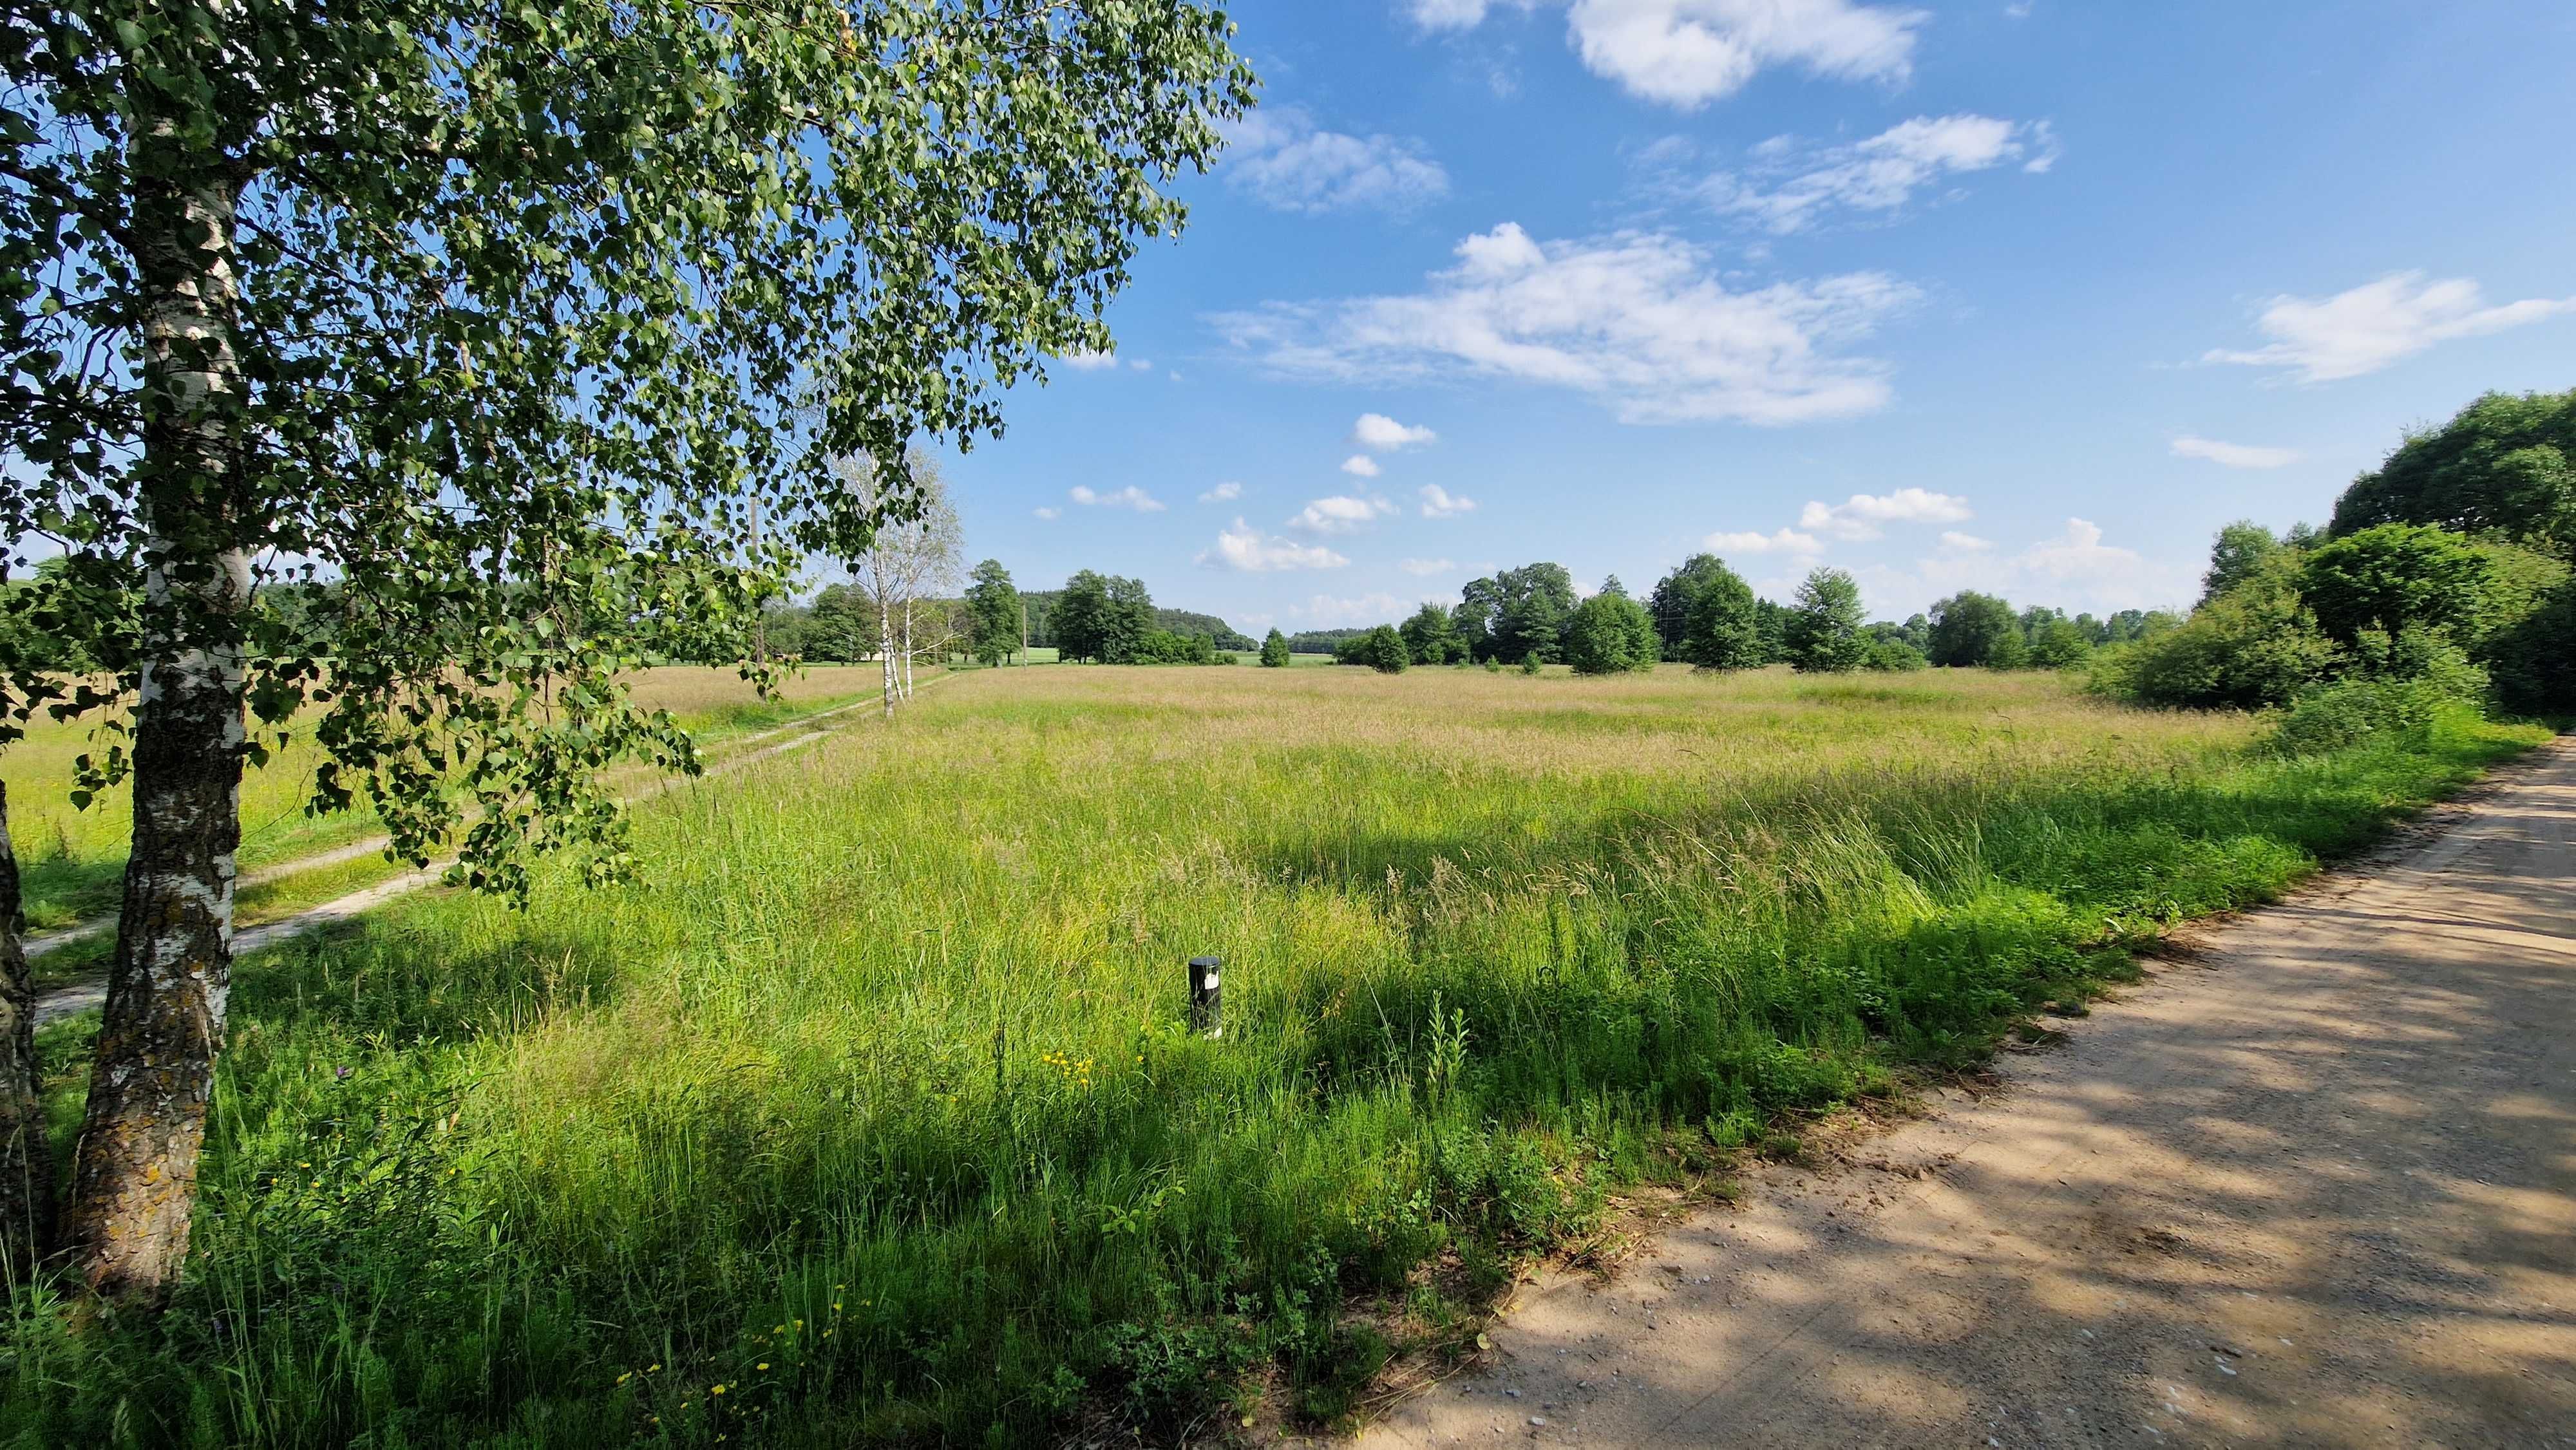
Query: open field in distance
x=867 y=1114
x=71 y=858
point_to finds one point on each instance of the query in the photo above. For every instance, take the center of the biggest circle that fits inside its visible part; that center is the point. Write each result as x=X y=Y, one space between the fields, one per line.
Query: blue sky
x=2028 y=297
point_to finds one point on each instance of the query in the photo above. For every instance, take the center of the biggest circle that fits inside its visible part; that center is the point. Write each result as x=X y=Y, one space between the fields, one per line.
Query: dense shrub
x=1381 y=649
x=1611 y=634
x=2254 y=646
x=1163 y=647
x=2358 y=712
x=1824 y=633
x=2532 y=659
x=1889 y=655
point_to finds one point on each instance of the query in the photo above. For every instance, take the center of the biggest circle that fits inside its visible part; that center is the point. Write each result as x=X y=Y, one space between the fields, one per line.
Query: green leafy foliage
x=1892 y=654
x=1969 y=628
x=1824 y=631
x=1381 y=649
x=1274 y=650
x=2240 y=549
x=992 y=613
x=2390 y=578
x=524 y=316
x=1719 y=626
x=1611 y=634
x=1431 y=637
x=1100 y=617
x=2254 y=646
x=2501 y=466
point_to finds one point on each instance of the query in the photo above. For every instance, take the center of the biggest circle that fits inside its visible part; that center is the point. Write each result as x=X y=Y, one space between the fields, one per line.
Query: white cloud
x=2079 y=553
x=1324 y=611
x=1360 y=464
x=1687 y=53
x=1428 y=567
x=1222 y=493
x=1250 y=550
x=1639 y=320
x=1285 y=161
x=1050 y=513
x=1440 y=503
x=1340 y=514
x=1089 y=361
x=1130 y=497
x=1378 y=433
x=2378 y=323
x=1746 y=541
x=1865 y=516
x=2075 y=570
x=1791 y=185
x=1455 y=14
x=2234 y=455
x=1142 y=365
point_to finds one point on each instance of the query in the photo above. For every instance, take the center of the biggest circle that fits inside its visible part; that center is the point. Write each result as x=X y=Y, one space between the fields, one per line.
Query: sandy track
x=2315 y=1185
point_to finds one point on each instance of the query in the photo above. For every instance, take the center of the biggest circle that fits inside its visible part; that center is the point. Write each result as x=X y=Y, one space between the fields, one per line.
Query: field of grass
x=867 y=1114
x=71 y=859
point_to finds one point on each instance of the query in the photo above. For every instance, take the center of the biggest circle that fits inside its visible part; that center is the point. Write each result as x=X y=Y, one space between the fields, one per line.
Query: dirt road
x=2315 y=1185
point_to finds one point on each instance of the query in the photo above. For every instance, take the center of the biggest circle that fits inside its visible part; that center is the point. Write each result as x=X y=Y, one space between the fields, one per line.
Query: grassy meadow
x=867 y=1115
x=72 y=860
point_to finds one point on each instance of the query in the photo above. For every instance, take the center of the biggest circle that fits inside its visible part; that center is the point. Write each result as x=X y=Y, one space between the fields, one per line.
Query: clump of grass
x=867 y=1114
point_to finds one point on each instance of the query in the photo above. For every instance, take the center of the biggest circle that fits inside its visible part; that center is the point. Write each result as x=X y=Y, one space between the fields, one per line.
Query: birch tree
x=929 y=549
x=478 y=318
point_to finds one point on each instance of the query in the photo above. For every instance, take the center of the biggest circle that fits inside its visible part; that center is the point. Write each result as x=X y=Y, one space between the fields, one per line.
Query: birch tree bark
x=885 y=651
x=134 y=1180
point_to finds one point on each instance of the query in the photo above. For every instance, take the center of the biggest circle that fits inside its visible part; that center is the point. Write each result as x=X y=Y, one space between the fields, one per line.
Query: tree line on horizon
x=1703 y=613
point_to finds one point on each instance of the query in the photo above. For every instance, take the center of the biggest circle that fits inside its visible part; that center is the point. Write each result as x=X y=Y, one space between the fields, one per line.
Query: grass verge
x=867 y=1115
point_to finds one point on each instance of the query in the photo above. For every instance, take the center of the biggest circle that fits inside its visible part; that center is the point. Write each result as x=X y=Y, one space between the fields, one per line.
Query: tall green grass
x=867 y=1114
x=72 y=860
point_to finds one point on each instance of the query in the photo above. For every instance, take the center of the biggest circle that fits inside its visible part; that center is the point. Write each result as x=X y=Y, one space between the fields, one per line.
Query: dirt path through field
x=91 y=991
x=2315 y=1185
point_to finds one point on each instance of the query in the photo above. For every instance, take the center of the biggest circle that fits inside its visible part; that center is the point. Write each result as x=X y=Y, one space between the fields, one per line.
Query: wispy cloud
x=1340 y=513
x=1282 y=159
x=2367 y=328
x=1866 y=516
x=1089 y=362
x=1130 y=497
x=1378 y=433
x=2234 y=455
x=1428 y=567
x=1222 y=493
x=1360 y=465
x=1639 y=320
x=1746 y=541
x=1788 y=185
x=1440 y=503
x=1251 y=551
x=1048 y=513
x=1687 y=53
